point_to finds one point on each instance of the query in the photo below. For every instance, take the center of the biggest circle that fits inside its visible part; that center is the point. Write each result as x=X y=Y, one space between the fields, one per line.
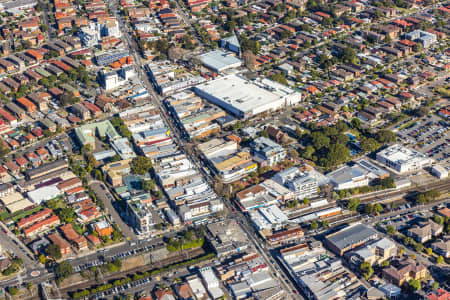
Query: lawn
x=20 y=215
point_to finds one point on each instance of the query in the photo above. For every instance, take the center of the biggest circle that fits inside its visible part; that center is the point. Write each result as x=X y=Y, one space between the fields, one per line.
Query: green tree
x=141 y=165
x=369 y=145
x=429 y=251
x=438 y=219
x=314 y=225
x=355 y=123
x=353 y=204
x=325 y=223
x=13 y=290
x=66 y=214
x=305 y=201
x=54 y=251
x=390 y=229
x=308 y=152
x=63 y=270
x=148 y=185
x=414 y=285
x=366 y=270
x=279 y=77
x=385 y=264
x=440 y=259
x=418 y=247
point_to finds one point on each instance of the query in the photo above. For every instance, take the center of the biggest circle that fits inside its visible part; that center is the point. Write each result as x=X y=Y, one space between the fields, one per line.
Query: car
x=5 y=232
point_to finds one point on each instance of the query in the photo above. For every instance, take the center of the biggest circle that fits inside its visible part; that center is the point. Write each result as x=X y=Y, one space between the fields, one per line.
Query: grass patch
x=408 y=125
x=22 y=214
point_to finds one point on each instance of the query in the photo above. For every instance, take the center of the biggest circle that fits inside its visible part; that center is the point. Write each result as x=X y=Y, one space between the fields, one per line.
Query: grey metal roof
x=352 y=235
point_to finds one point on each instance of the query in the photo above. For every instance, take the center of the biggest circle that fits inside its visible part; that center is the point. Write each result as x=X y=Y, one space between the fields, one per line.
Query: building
x=425 y=231
x=303 y=185
x=402 y=159
x=244 y=98
x=403 y=270
x=103 y=228
x=327 y=279
x=442 y=247
x=46 y=169
x=350 y=237
x=43 y=194
x=374 y=253
x=268 y=218
x=426 y=38
x=219 y=61
x=267 y=151
x=70 y=234
x=41 y=226
x=285 y=236
x=231 y=43
x=86 y=134
x=438 y=294
x=439 y=171
x=64 y=246
x=139 y=216
x=228 y=238
x=115 y=171
x=34 y=218
x=358 y=175
x=211 y=282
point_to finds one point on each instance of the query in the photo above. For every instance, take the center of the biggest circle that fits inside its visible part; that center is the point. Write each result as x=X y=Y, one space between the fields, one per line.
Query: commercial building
x=123 y=147
x=193 y=116
x=228 y=238
x=439 y=171
x=350 y=237
x=115 y=171
x=219 y=61
x=217 y=147
x=211 y=282
x=86 y=134
x=301 y=183
x=267 y=152
x=167 y=81
x=244 y=98
x=402 y=159
x=268 y=218
x=43 y=194
x=233 y=166
x=328 y=279
x=360 y=174
x=374 y=253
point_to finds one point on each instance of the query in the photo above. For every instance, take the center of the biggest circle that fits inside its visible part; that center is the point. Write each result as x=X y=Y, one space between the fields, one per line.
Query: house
x=438 y=294
x=276 y=134
x=442 y=247
x=403 y=270
x=164 y=294
x=103 y=228
x=184 y=292
x=424 y=231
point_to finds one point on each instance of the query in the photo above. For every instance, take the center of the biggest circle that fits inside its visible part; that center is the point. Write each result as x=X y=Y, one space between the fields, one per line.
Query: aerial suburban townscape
x=233 y=149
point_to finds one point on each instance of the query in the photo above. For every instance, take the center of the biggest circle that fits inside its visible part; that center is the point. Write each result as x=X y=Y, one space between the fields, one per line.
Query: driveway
x=110 y=209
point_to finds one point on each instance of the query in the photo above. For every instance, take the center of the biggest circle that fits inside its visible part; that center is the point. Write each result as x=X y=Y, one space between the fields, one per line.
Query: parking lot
x=429 y=136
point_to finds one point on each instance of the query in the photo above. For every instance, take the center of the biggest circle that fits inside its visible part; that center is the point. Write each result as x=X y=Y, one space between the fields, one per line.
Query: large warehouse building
x=402 y=159
x=350 y=238
x=244 y=98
